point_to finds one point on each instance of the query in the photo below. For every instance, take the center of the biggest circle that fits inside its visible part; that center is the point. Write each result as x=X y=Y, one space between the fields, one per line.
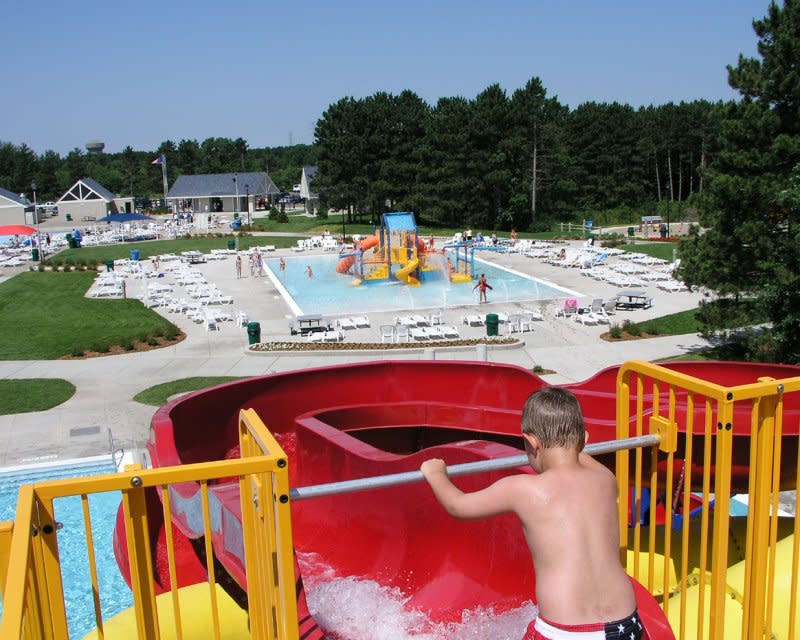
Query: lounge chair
x=585 y=318
x=449 y=331
x=570 y=308
x=419 y=333
x=473 y=320
x=345 y=323
x=362 y=322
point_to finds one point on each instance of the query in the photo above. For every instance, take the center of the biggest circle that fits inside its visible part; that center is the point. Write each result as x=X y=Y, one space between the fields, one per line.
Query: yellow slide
x=404 y=274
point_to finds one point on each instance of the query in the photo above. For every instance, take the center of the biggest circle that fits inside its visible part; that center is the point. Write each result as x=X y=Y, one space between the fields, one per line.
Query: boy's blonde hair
x=554 y=417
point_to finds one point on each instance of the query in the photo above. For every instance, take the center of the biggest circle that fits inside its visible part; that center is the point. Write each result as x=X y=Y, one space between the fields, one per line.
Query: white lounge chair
x=362 y=322
x=473 y=320
x=419 y=333
x=585 y=318
x=449 y=331
x=345 y=323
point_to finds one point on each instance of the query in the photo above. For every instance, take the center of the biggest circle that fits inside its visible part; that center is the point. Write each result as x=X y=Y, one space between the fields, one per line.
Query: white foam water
x=357 y=609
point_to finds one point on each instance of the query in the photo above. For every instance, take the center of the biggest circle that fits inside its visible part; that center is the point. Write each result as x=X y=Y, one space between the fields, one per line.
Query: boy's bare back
x=569 y=520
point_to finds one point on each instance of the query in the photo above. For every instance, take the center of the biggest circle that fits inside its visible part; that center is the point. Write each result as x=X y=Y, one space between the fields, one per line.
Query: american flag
x=159 y=160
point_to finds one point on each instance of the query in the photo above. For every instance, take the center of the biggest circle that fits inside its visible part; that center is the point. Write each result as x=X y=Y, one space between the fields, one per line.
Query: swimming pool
x=331 y=292
x=114 y=593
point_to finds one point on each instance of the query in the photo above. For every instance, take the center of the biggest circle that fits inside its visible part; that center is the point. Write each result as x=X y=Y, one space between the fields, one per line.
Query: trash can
x=631 y=231
x=70 y=241
x=254 y=332
x=109 y=265
x=492 y=324
x=35 y=254
x=231 y=244
x=135 y=254
x=69 y=217
x=236 y=224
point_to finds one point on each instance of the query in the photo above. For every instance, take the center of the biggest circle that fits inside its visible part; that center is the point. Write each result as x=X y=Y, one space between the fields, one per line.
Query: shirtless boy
x=569 y=519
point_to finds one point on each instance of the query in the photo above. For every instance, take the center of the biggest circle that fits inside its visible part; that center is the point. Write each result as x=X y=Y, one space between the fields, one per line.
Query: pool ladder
x=117 y=453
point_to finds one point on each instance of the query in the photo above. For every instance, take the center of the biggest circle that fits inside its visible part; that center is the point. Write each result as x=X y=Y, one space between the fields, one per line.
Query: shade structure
x=125 y=217
x=16 y=230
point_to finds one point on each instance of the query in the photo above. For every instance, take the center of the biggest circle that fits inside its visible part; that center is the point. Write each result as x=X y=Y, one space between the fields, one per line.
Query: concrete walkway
x=106 y=385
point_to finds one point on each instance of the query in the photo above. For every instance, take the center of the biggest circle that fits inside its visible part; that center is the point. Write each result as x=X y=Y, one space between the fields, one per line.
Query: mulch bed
x=136 y=345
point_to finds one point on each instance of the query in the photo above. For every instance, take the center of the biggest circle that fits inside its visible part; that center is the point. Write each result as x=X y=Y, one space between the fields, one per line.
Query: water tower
x=95 y=146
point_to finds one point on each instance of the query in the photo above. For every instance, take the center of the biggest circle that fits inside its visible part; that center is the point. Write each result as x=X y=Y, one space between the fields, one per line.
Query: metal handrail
x=467 y=468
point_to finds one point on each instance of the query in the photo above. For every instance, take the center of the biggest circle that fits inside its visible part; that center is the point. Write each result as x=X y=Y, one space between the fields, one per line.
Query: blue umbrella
x=125 y=217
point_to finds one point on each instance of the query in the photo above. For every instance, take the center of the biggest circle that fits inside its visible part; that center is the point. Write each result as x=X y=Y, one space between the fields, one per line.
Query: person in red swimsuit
x=482 y=285
x=568 y=512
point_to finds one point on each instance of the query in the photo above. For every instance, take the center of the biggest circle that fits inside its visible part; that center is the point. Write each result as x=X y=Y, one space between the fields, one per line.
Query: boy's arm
x=493 y=500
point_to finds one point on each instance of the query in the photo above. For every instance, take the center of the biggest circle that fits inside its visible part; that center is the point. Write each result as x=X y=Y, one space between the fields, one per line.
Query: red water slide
x=366 y=419
x=345 y=264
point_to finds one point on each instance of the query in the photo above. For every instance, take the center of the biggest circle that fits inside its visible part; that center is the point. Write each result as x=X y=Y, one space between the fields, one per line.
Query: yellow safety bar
x=721 y=578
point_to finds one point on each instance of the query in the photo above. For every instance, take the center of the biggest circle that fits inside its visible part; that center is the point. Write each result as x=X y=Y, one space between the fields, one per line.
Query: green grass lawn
x=35 y=394
x=157 y=395
x=98 y=255
x=44 y=316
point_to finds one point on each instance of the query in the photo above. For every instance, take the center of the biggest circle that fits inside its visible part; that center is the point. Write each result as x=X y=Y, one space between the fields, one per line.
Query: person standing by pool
x=482 y=285
x=282 y=265
x=309 y=272
x=238 y=267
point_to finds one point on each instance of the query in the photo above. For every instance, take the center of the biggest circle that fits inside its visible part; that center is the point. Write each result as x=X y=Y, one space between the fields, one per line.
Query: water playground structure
x=234 y=519
x=396 y=253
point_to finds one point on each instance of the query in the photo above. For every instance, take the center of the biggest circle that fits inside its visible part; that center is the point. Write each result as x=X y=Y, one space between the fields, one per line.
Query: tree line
x=499 y=161
x=130 y=173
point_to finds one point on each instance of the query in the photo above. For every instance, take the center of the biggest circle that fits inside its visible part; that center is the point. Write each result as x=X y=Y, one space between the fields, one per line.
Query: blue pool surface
x=331 y=292
x=114 y=593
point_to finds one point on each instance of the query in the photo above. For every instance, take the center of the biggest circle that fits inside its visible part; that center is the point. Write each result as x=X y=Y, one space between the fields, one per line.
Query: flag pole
x=164 y=177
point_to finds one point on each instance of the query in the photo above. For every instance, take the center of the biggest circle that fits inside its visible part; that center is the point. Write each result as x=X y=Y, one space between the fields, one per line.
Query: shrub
x=101 y=347
x=537 y=368
x=158 y=332
x=616 y=331
x=152 y=341
x=631 y=328
x=127 y=345
x=76 y=352
x=171 y=332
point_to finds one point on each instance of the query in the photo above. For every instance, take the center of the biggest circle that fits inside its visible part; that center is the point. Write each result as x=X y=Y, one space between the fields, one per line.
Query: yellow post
x=139 y=556
x=722 y=496
x=6 y=533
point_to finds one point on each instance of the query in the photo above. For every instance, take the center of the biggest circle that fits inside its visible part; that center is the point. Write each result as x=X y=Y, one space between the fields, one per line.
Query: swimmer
x=282 y=265
x=309 y=272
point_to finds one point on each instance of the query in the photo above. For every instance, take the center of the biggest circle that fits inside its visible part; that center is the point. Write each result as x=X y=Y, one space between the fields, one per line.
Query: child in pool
x=568 y=512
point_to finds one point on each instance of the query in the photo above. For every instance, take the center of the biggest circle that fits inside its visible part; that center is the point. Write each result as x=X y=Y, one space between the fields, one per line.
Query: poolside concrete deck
x=106 y=385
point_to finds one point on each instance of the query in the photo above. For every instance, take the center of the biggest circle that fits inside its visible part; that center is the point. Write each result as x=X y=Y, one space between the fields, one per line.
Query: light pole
x=247 y=200
x=36 y=215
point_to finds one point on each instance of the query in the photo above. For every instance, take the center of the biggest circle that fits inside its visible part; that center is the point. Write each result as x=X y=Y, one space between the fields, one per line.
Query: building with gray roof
x=13 y=208
x=87 y=199
x=221 y=192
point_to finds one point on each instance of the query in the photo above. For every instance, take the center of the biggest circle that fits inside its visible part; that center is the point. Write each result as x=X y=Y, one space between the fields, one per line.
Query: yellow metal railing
x=33 y=600
x=717 y=576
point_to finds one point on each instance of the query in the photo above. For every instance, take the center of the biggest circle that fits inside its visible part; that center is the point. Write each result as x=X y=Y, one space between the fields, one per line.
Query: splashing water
x=358 y=609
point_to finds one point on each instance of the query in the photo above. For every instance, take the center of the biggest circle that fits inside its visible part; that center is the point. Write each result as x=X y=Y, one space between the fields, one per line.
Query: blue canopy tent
x=125 y=217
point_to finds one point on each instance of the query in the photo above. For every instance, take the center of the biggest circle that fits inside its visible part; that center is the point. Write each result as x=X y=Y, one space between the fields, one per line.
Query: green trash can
x=631 y=231
x=254 y=332
x=69 y=217
x=231 y=244
x=492 y=324
x=70 y=241
x=35 y=254
x=109 y=265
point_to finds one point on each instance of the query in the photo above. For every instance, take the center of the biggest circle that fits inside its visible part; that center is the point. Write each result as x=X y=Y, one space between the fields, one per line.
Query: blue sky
x=138 y=73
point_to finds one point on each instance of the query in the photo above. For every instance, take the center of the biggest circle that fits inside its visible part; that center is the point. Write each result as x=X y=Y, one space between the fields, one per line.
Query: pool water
x=331 y=292
x=114 y=593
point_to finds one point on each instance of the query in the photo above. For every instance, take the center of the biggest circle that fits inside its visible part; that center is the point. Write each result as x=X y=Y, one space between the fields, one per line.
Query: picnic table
x=633 y=300
x=309 y=323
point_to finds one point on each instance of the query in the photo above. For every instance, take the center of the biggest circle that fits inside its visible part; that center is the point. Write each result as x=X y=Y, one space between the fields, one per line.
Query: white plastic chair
x=387 y=333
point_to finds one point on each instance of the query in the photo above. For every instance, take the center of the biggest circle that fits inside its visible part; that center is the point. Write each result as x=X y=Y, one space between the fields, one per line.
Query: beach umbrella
x=17 y=230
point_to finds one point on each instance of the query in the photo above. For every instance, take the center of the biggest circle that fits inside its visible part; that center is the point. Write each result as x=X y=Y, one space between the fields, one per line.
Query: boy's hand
x=432 y=467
